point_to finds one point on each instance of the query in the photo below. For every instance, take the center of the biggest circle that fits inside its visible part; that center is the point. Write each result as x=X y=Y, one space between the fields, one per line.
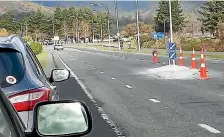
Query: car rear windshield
x=11 y=67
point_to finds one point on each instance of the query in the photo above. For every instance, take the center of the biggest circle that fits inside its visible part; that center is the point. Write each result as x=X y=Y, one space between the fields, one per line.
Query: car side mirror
x=58 y=75
x=61 y=118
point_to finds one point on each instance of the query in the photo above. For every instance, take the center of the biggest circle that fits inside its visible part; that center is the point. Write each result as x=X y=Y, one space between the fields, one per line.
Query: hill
x=127 y=9
x=18 y=7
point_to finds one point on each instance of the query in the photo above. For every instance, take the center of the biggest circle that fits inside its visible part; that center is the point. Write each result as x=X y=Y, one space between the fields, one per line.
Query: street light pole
x=21 y=27
x=171 y=26
x=118 y=32
x=139 y=48
x=171 y=29
x=108 y=14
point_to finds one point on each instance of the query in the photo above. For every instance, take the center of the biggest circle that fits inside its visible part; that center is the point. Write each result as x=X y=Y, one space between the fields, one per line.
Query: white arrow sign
x=172 y=56
x=172 y=46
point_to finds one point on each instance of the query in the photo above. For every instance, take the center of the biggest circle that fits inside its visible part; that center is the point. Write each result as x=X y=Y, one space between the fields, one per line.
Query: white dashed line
x=101 y=72
x=128 y=86
x=154 y=100
x=94 y=68
x=113 y=78
x=209 y=128
x=89 y=65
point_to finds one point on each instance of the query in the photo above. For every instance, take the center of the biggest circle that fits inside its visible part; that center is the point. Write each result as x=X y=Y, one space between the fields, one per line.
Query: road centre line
x=154 y=100
x=113 y=78
x=101 y=72
x=128 y=86
x=209 y=128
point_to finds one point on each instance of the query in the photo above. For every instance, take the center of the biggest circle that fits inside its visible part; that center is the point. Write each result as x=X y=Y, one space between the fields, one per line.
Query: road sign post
x=172 y=53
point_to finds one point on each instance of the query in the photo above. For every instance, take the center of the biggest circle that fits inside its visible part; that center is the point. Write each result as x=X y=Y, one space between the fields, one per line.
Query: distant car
x=50 y=42
x=22 y=78
x=58 y=47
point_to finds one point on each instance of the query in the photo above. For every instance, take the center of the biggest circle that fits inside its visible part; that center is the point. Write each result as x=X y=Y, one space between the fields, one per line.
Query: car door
x=42 y=75
x=10 y=123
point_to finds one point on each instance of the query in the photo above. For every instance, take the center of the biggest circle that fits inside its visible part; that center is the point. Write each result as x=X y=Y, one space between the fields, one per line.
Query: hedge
x=36 y=47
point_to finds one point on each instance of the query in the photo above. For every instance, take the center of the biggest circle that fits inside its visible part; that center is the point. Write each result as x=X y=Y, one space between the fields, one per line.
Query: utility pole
x=101 y=30
x=93 y=27
x=118 y=32
x=139 y=47
x=164 y=29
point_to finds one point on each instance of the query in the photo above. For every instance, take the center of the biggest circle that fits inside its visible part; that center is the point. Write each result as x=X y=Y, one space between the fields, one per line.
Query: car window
x=35 y=62
x=11 y=67
x=6 y=128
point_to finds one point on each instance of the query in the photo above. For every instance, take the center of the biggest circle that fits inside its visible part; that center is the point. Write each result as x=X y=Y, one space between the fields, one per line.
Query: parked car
x=58 y=46
x=74 y=113
x=22 y=78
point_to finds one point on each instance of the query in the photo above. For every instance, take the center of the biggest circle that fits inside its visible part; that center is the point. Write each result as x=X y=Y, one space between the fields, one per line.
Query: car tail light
x=26 y=100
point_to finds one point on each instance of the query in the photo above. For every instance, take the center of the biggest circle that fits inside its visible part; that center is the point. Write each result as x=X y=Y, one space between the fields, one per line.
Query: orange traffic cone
x=202 y=57
x=155 y=57
x=203 y=69
x=193 y=61
x=181 y=59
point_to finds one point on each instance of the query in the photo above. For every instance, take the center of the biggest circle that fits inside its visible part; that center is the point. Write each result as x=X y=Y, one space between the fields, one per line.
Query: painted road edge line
x=209 y=128
x=100 y=109
x=154 y=100
x=128 y=86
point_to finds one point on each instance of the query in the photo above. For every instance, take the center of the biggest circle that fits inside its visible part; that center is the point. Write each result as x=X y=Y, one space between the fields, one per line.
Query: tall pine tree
x=163 y=14
x=212 y=14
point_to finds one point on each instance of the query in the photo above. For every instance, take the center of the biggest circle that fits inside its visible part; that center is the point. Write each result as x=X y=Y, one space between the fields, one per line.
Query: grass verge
x=161 y=53
x=42 y=57
x=148 y=51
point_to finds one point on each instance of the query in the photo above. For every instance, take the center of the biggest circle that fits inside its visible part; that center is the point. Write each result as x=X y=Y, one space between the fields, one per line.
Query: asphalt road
x=142 y=106
x=71 y=89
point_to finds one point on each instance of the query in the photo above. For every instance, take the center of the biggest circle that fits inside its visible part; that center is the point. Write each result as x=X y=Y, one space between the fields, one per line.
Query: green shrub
x=148 y=44
x=36 y=47
x=28 y=39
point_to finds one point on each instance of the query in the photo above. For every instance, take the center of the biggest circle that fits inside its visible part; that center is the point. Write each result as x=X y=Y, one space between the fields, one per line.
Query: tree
x=6 y=21
x=131 y=29
x=212 y=14
x=163 y=14
x=58 y=20
x=37 y=24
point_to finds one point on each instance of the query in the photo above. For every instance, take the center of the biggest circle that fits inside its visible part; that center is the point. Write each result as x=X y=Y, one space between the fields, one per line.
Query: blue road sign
x=172 y=55
x=172 y=46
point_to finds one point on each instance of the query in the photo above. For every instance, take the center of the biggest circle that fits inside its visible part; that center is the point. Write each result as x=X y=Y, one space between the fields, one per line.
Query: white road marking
x=89 y=65
x=128 y=86
x=113 y=78
x=69 y=60
x=154 y=100
x=94 y=68
x=101 y=72
x=100 y=110
x=209 y=128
